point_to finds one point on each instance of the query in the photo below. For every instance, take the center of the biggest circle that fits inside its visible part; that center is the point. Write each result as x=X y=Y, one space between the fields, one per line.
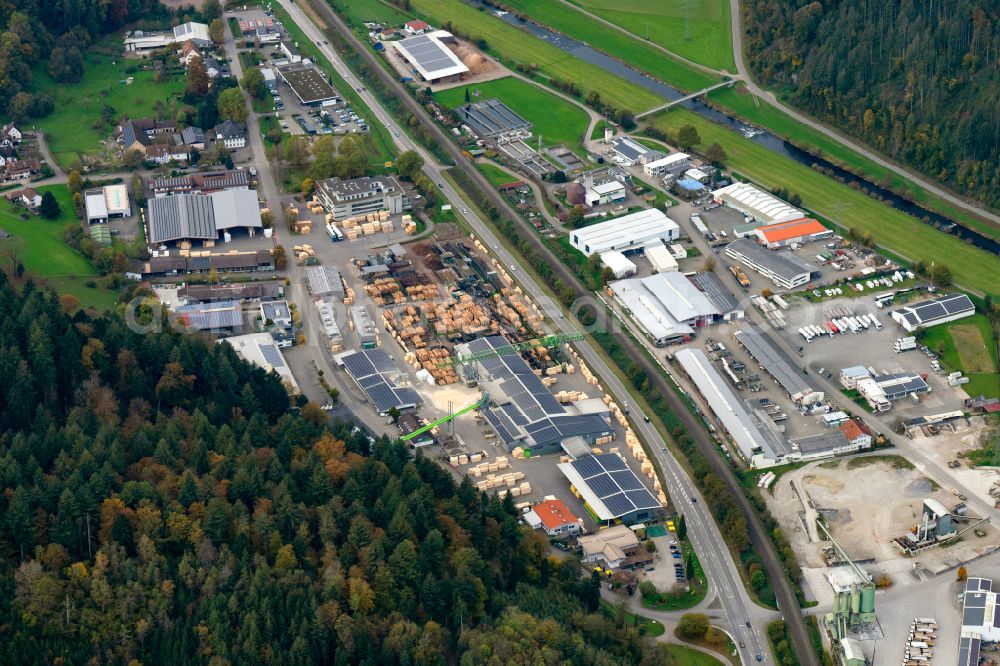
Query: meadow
x=967 y=345
x=708 y=42
x=635 y=52
x=552 y=117
x=495 y=174
x=895 y=231
x=516 y=46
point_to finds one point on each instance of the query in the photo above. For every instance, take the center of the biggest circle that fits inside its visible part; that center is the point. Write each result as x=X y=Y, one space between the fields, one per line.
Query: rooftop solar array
x=368 y=367
x=523 y=410
x=721 y=298
x=430 y=56
x=212 y=316
x=939 y=308
x=629 y=148
x=491 y=118
x=272 y=356
x=609 y=486
x=899 y=385
x=968 y=651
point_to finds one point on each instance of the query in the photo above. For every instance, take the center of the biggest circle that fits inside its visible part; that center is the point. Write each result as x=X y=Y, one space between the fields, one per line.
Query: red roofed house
x=415 y=27
x=553 y=517
x=784 y=233
x=857 y=434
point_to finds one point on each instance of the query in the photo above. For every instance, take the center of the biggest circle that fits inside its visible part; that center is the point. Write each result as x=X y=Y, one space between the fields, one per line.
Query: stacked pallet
x=348 y=295
x=566 y=397
x=315 y=206
x=385 y=291
x=407 y=329
x=303 y=252
x=422 y=292
x=547 y=382
x=409 y=226
x=431 y=360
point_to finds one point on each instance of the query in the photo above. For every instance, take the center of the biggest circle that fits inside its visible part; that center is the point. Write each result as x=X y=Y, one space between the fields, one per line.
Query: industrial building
x=361 y=196
x=521 y=409
x=276 y=312
x=786 y=233
x=821 y=445
x=610 y=490
x=775 y=362
x=611 y=191
x=554 y=517
x=660 y=258
x=716 y=292
x=628 y=151
x=331 y=329
x=491 y=118
x=980 y=620
x=324 y=281
x=171 y=263
x=757 y=204
x=626 y=233
x=756 y=436
x=197 y=33
x=364 y=327
x=880 y=391
x=201 y=183
x=620 y=265
x=308 y=84
x=186 y=217
x=667 y=306
x=219 y=316
x=429 y=56
x=372 y=370
x=784 y=269
x=261 y=350
x=671 y=165
x=936 y=311
x=105 y=203
x=849 y=377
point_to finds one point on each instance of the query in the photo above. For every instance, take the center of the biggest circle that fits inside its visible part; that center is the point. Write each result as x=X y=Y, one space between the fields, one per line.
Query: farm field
x=892 y=229
x=38 y=244
x=555 y=119
x=736 y=100
x=516 y=46
x=358 y=12
x=74 y=127
x=967 y=345
x=632 y=50
x=495 y=174
x=685 y=656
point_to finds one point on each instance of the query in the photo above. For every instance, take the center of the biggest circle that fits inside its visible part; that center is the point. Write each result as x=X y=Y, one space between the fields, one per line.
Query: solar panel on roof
x=587 y=467
x=618 y=504
x=272 y=356
x=611 y=462
x=603 y=486
x=642 y=499
x=625 y=480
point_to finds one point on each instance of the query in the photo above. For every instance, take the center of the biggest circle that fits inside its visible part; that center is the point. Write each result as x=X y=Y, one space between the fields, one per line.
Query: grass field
x=359 y=12
x=70 y=130
x=742 y=104
x=663 y=22
x=38 y=244
x=495 y=174
x=967 y=345
x=635 y=52
x=685 y=656
x=647 y=627
x=894 y=230
x=555 y=119
x=516 y=46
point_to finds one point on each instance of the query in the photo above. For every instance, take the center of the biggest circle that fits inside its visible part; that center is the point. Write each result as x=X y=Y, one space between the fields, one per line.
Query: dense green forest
x=162 y=504
x=917 y=79
x=56 y=33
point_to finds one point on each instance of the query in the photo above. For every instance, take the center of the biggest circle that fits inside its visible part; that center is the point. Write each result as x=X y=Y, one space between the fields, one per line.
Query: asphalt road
x=707 y=539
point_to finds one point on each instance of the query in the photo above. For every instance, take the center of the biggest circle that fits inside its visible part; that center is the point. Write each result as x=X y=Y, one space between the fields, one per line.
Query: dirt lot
x=866 y=501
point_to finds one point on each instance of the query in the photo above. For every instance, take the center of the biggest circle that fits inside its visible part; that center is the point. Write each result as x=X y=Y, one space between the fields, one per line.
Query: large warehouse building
x=186 y=217
x=936 y=311
x=756 y=438
x=430 y=58
x=522 y=410
x=610 y=490
x=782 y=268
x=667 y=306
x=785 y=233
x=371 y=369
x=757 y=204
x=626 y=233
x=776 y=363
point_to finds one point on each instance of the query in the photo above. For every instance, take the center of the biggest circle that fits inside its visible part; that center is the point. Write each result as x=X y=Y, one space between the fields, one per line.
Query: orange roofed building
x=784 y=233
x=857 y=434
x=554 y=517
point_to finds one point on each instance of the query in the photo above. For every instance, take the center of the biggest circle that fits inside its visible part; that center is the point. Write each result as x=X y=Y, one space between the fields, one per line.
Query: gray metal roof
x=723 y=299
x=765 y=351
x=212 y=316
x=781 y=263
x=201 y=216
x=629 y=148
x=609 y=486
x=821 y=443
x=324 y=280
x=491 y=118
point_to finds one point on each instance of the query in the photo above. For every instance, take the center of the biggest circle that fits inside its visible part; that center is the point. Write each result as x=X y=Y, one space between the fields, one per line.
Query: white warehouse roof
x=430 y=56
x=661 y=258
x=619 y=264
x=625 y=233
x=756 y=203
x=668 y=161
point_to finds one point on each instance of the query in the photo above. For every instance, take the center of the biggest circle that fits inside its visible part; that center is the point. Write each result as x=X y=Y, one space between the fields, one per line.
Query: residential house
x=21 y=169
x=612 y=545
x=212 y=67
x=163 y=154
x=189 y=53
x=10 y=136
x=554 y=517
x=415 y=27
x=277 y=312
x=857 y=433
x=7 y=153
x=133 y=137
x=232 y=134
x=26 y=197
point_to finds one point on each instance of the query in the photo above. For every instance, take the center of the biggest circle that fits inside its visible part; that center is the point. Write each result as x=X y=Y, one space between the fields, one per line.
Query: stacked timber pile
x=409 y=226
x=566 y=397
x=303 y=252
x=431 y=361
x=314 y=206
x=500 y=464
x=422 y=292
x=462 y=315
x=385 y=291
x=407 y=329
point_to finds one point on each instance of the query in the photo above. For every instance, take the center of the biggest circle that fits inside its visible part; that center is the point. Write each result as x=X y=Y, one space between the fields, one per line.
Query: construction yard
x=866 y=502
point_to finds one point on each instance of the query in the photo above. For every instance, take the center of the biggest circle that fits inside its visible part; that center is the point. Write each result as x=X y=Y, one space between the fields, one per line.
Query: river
x=762 y=137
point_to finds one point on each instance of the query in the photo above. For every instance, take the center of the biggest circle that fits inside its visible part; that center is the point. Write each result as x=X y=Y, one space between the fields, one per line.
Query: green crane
x=482 y=402
x=515 y=348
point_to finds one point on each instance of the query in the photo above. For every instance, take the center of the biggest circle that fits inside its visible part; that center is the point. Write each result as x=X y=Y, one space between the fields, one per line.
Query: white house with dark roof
x=232 y=134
